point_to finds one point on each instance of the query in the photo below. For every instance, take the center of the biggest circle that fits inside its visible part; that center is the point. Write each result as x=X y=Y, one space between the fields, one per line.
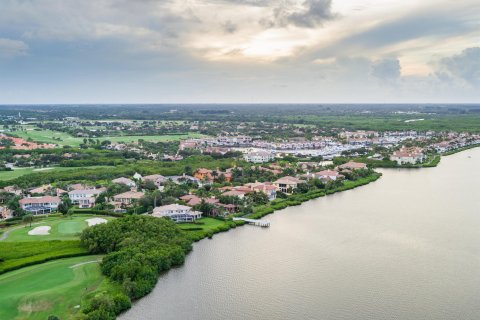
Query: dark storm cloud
x=386 y=69
x=465 y=65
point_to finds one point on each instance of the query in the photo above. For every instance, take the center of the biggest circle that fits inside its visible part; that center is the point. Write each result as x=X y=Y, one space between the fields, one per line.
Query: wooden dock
x=260 y=223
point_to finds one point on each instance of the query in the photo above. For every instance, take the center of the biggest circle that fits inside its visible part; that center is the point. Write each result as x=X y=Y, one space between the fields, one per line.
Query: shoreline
x=279 y=204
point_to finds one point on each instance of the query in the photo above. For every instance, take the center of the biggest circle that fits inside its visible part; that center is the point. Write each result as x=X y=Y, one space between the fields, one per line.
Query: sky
x=239 y=51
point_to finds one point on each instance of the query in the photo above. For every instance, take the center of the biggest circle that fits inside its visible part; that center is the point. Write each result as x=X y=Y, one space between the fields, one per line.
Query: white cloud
x=11 y=48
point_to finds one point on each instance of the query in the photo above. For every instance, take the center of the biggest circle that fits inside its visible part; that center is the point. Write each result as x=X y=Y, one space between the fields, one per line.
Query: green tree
x=28 y=218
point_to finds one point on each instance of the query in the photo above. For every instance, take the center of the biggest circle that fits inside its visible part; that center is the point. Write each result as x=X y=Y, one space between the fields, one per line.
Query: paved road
x=6 y=233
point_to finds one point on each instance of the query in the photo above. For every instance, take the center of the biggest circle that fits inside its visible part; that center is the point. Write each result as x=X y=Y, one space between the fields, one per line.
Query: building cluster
x=256 y=150
x=22 y=144
x=188 y=207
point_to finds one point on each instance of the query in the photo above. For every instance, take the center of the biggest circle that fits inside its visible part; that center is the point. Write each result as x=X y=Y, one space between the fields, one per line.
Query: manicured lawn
x=48 y=136
x=205 y=223
x=52 y=288
x=163 y=138
x=62 y=228
x=10 y=175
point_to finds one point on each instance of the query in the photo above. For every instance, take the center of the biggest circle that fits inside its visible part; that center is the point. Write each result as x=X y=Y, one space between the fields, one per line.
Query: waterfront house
x=269 y=189
x=352 y=165
x=328 y=175
x=39 y=205
x=177 y=212
x=288 y=183
x=408 y=156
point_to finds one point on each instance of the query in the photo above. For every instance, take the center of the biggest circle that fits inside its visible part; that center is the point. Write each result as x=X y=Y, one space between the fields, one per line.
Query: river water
x=404 y=247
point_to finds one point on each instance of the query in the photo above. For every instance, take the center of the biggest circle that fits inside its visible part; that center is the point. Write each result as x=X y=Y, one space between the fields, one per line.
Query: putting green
x=62 y=228
x=70 y=227
x=52 y=288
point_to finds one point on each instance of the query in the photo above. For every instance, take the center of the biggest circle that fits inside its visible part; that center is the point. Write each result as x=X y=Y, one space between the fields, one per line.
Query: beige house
x=288 y=183
x=123 y=200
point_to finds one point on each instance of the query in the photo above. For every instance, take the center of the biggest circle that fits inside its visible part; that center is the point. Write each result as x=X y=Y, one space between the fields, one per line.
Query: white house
x=85 y=198
x=328 y=175
x=259 y=156
x=177 y=212
x=408 y=155
x=124 y=181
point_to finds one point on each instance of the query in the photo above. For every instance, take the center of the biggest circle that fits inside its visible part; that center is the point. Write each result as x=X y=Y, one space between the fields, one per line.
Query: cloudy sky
x=248 y=51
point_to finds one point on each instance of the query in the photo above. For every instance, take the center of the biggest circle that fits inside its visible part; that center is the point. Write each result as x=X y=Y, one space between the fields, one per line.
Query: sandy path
x=86 y=262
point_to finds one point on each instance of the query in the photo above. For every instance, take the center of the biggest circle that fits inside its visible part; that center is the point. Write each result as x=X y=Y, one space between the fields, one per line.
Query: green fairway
x=10 y=175
x=63 y=139
x=52 y=288
x=62 y=228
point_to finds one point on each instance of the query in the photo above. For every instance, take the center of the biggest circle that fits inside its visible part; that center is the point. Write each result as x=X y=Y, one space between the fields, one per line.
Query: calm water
x=404 y=247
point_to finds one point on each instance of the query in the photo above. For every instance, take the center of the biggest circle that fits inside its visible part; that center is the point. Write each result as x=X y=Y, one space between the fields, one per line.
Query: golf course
x=61 y=228
x=53 y=288
x=64 y=139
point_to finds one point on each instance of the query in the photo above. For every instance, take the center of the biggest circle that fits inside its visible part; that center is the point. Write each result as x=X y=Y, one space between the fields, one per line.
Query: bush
x=137 y=249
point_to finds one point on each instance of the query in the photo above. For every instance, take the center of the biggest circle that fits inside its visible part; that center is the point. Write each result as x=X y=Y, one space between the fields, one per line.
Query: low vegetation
x=138 y=249
x=15 y=255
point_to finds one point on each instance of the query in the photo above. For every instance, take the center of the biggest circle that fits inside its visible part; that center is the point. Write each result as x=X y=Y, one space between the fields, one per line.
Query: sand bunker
x=94 y=221
x=40 y=231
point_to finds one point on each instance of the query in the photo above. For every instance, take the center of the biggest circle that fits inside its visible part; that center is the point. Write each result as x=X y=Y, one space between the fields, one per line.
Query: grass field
x=62 y=228
x=205 y=223
x=62 y=138
x=10 y=175
x=14 y=255
x=52 y=288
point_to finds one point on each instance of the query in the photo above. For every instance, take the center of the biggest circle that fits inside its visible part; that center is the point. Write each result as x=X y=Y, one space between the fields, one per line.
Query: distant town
x=61 y=175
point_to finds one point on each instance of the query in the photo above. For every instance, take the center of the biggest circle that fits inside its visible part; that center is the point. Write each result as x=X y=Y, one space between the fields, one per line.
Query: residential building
x=5 y=213
x=259 y=156
x=269 y=189
x=85 y=198
x=203 y=174
x=288 y=183
x=352 y=165
x=124 y=181
x=327 y=175
x=176 y=212
x=39 y=205
x=157 y=179
x=123 y=200
x=234 y=193
x=408 y=155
